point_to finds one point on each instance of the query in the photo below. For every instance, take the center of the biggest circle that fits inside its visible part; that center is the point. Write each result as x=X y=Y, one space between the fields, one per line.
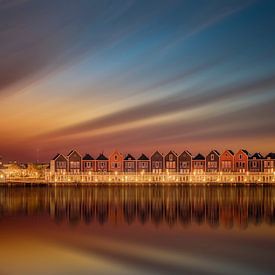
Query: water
x=137 y=230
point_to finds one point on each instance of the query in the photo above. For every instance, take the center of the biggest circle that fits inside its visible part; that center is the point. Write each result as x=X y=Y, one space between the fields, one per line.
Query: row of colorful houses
x=185 y=163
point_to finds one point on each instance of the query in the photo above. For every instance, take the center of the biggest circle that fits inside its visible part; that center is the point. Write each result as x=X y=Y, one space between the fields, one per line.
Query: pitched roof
x=186 y=151
x=199 y=157
x=102 y=157
x=257 y=156
x=270 y=155
x=87 y=157
x=58 y=155
x=215 y=151
x=173 y=152
x=157 y=152
x=231 y=152
x=246 y=152
x=72 y=151
x=129 y=157
x=143 y=157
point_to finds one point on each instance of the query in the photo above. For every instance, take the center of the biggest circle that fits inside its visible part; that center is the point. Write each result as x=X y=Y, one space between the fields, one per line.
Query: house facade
x=213 y=162
x=241 y=161
x=255 y=163
x=269 y=163
x=116 y=162
x=143 y=164
x=102 y=163
x=198 y=164
x=75 y=162
x=227 y=161
x=157 y=163
x=129 y=164
x=59 y=164
x=171 y=162
x=185 y=162
x=88 y=163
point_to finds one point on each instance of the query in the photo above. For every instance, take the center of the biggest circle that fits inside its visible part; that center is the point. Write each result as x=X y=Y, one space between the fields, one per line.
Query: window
x=75 y=164
x=171 y=157
x=61 y=165
x=240 y=156
x=115 y=157
x=212 y=157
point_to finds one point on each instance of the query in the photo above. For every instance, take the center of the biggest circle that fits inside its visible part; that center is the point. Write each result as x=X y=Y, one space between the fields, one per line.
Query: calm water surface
x=137 y=230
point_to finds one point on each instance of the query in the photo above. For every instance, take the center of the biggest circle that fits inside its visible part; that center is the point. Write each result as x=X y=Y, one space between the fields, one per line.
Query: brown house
x=241 y=161
x=129 y=164
x=116 y=162
x=269 y=163
x=255 y=163
x=213 y=161
x=171 y=162
x=227 y=161
x=198 y=164
x=157 y=163
x=102 y=163
x=143 y=164
x=185 y=162
x=75 y=162
x=59 y=164
x=88 y=163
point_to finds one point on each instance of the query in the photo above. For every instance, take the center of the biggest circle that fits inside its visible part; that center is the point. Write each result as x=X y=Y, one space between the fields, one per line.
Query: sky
x=136 y=76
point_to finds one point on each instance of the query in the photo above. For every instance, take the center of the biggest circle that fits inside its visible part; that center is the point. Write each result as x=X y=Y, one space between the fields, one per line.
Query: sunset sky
x=135 y=76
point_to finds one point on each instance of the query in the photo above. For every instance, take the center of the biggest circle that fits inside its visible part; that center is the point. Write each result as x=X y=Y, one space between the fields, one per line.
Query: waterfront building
x=227 y=161
x=129 y=164
x=213 y=161
x=157 y=163
x=269 y=163
x=102 y=163
x=241 y=161
x=88 y=163
x=198 y=164
x=255 y=163
x=75 y=162
x=171 y=162
x=59 y=164
x=116 y=162
x=143 y=164
x=185 y=162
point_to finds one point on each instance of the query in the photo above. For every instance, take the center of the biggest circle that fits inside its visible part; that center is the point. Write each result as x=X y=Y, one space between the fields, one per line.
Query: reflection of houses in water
x=168 y=205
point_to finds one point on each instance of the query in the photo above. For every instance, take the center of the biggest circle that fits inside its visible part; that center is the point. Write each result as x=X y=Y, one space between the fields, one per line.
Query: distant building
x=185 y=162
x=116 y=162
x=143 y=164
x=227 y=161
x=102 y=163
x=269 y=163
x=241 y=161
x=171 y=162
x=129 y=164
x=213 y=161
x=75 y=162
x=198 y=164
x=88 y=163
x=255 y=163
x=157 y=163
x=59 y=164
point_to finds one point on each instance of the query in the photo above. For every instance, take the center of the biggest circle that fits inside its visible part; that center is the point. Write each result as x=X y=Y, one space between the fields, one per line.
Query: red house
x=269 y=163
x=116 y=162
x=241 y=161
x=227 y=161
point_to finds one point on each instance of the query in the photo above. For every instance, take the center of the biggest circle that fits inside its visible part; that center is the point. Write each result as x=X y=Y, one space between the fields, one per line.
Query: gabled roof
x=186 y=151
x=257 y=156
x=71 y=152
x=87 y=157
x=199 y=157
x=270 y=155
x=157 y=152
x=129 y=157
x=143 y=157
x=215 y=151
x=102 y=157
x=58 y=155
x=231 y=152
x=172 y=152
x=246 y=152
